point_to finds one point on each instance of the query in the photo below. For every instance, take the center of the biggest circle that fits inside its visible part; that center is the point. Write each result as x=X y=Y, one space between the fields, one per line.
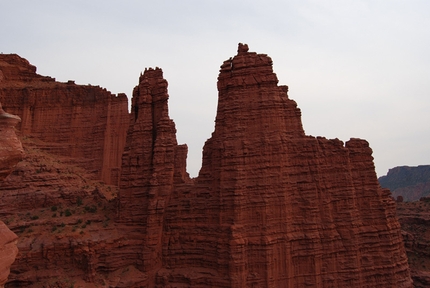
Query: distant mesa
x=409 y=182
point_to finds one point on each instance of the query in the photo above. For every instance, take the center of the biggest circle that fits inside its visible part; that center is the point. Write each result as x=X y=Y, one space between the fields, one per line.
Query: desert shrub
x=67 y=213
x=54 y=208
x=91 y=209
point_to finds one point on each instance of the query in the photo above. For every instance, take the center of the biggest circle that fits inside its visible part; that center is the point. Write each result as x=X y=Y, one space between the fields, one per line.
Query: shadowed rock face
x=271 y=207
x=11 y=153
x=409 y=183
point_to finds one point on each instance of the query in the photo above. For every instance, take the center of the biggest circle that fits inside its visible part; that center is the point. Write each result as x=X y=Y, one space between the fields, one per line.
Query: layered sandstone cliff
x=414 y=218
x=87 y=123
x=271 y=207
x=11 y=153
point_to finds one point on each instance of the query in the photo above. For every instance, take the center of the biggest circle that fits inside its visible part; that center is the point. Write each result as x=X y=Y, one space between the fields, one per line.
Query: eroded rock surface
x=271 y=207
x=87 y=123
x=8 y=251
x=11 y=152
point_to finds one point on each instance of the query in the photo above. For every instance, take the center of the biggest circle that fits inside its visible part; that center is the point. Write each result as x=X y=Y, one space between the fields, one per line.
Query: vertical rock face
x=271 y=207
x=151 y=162
x=87 y=123
x=8 y=251
x=11 y=153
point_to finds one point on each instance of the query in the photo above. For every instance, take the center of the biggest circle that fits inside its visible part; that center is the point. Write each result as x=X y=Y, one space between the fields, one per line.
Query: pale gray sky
x=356 y=68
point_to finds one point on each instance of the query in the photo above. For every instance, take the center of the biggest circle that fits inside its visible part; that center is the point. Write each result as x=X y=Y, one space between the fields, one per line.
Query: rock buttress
x=87 y=123
x=272 y=207
x=152 y=162
x=11 y=153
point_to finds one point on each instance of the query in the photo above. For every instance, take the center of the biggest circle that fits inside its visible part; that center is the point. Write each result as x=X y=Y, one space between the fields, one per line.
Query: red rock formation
x=414 y=218
x=11 y=153
x=411 y=183
x=8 y=251
x=271 y=207
x=87 y=123
x=152 y=162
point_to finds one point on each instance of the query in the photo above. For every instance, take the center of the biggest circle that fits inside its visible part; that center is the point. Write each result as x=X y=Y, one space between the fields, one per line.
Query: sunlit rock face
x=271 y=207
x=8 y=251
x=84 y=122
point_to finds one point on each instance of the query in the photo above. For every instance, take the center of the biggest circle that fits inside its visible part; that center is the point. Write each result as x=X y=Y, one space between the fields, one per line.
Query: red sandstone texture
x=414 y=218
x=65 y=223
x=271 y=207
x=87 y=123
x=11 y=153
x=8 y=251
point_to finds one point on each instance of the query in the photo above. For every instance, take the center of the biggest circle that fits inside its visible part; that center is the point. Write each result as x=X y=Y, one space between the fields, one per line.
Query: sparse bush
x=67 y=213
x=91 y=209
x=54 y=208
x=34 y=217
x=79 y=201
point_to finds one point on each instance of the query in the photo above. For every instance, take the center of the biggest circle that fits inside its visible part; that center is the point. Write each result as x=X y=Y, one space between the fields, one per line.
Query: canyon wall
x=271 y=207
x=11 y=152
x=86 y=123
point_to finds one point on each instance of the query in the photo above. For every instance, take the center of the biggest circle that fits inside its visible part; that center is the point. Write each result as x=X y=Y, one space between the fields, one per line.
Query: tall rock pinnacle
x=271 y=207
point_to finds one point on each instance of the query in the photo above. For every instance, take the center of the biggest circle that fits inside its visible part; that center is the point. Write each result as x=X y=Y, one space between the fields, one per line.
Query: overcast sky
x=355 y=68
